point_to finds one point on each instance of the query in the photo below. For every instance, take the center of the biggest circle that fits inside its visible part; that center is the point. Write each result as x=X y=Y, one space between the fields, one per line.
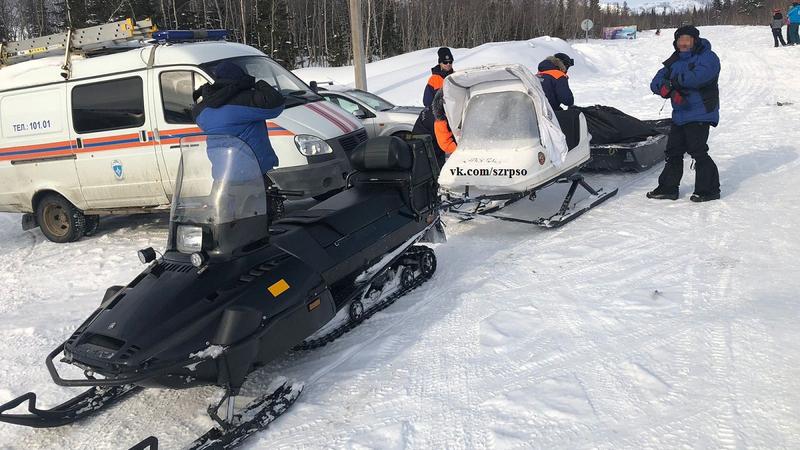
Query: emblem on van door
x=117 y=166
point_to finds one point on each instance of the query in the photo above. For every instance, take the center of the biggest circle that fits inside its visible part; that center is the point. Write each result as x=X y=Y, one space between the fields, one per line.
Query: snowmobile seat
x=390 y=162
x=394 y=182
x=570 y=123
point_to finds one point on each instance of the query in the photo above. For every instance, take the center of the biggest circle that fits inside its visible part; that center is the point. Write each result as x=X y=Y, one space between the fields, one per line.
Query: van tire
x=59 y=220
x=90 y=224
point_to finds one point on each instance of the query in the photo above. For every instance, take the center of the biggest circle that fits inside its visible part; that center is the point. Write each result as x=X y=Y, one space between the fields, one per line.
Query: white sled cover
x=506 y=130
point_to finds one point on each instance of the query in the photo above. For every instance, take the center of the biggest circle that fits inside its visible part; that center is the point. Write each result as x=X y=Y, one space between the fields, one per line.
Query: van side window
x=108 y=105
x=176 y=94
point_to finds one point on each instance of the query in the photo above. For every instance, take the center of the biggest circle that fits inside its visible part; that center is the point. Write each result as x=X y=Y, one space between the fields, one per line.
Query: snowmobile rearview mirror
x=146 y=255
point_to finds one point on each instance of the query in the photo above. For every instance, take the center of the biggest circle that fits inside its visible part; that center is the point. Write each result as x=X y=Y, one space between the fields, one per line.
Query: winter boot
x=698 y=198
x=658 y=194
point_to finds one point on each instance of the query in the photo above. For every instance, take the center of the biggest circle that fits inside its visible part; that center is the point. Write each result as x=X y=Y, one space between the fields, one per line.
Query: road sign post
x=587 y=25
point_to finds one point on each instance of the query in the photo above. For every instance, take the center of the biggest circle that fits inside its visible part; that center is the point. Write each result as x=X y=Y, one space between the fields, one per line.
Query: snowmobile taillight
x=190 y=239
x=146 y=255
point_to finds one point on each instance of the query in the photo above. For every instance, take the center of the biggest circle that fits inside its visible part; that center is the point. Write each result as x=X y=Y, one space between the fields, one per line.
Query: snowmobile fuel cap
x=278 y=288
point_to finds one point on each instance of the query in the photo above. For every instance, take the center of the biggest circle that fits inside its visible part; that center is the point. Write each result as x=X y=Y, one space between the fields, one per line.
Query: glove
x=677 y=98
x=665 y=91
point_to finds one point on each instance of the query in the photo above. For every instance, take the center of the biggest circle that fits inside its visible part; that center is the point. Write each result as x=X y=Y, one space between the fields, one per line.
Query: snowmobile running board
x=563 y=216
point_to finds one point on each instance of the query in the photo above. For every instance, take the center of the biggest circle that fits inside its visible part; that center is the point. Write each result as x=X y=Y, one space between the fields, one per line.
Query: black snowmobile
x=233 y=291
x=622 y=142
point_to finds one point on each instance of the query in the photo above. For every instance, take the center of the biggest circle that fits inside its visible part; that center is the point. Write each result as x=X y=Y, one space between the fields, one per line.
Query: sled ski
x=488 y=205
x=79 y=407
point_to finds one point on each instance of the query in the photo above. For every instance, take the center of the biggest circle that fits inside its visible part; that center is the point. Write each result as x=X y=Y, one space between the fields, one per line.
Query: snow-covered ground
x=643 y=324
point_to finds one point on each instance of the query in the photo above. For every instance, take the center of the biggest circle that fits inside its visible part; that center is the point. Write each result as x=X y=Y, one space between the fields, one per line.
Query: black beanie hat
x=568 y=62
x=687 y=30
x=444 y=55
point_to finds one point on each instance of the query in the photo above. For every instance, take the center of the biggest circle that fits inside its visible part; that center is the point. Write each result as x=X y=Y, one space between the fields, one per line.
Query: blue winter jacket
x=555 y=84
x=240 y=108
x=694 y=74
x=794 y=14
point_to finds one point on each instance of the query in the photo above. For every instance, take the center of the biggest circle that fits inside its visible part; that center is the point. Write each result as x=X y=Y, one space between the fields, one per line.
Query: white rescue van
x=106 y=140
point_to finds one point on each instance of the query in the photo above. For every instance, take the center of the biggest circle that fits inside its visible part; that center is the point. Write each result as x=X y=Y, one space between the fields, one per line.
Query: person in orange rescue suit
x=438 y=73
x=442 y=133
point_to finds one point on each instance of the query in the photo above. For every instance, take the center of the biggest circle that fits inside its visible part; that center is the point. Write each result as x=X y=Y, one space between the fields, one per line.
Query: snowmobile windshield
x=263 y=68
x=499 y=120
x=219 y=181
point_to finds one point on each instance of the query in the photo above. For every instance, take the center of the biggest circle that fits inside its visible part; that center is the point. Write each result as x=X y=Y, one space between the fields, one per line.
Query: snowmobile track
x=369 y=312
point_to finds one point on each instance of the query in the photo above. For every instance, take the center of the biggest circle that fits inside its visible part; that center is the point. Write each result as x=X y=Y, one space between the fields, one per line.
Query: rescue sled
x=622 y=142
x=511 y=144
x=233 y=291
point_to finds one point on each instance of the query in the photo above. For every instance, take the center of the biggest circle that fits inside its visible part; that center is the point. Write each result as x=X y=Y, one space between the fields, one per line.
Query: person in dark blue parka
x=237 y=105
x=689 y=79
x=555 y=82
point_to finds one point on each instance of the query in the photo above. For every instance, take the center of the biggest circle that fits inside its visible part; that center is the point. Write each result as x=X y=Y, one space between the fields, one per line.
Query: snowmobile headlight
x=309 y=145
x=198 y=259
x=190 y=239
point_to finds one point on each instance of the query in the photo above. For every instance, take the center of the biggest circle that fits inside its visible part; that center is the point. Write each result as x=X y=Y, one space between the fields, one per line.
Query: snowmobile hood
x=169 y=313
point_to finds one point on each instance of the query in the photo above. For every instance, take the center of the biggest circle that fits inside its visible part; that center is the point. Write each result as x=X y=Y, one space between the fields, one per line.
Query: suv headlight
x=309 y=145
x=190 y=239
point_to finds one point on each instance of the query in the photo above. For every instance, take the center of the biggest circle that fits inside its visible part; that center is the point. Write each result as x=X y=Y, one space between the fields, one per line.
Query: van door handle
x=143 y=136
x=79 y=142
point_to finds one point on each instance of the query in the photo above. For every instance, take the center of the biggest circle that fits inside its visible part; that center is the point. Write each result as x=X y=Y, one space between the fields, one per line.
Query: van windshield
x=263 y=68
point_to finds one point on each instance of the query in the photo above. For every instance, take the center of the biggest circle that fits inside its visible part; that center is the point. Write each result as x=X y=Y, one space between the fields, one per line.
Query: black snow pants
x=777 y=34
x=690 y=138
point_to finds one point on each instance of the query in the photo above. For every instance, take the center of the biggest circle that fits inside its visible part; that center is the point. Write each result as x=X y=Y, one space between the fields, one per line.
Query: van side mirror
x=313 y=85
x=362 y=114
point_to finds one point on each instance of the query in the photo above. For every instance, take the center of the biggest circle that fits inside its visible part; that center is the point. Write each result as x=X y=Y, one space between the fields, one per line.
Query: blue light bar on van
x=189 y=35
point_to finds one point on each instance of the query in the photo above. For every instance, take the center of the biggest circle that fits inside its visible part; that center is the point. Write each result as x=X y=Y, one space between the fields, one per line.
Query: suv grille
x=351 y=141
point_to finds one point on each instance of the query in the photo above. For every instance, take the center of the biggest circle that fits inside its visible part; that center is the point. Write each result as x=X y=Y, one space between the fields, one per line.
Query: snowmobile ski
x=91 y=401
x=255 y=417
x=402 y=279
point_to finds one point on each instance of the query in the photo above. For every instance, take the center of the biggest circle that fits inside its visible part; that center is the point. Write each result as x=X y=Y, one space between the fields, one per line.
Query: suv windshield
x=263 y=68
x=372 y=100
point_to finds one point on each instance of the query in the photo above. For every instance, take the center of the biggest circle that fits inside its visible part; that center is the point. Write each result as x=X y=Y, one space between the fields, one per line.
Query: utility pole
x=357 y=39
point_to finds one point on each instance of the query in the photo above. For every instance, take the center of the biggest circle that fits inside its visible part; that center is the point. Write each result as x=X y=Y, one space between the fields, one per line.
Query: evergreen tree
x=716 y=12
x=5 y=28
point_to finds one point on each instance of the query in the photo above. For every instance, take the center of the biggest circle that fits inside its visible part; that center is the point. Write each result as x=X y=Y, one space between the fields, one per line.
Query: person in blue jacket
x=555 y=82
x=236 y=105
x=689 y=79
x=794 y=23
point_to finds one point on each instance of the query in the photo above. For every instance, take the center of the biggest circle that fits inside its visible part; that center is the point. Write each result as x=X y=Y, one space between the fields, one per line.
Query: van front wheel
x=59 y=220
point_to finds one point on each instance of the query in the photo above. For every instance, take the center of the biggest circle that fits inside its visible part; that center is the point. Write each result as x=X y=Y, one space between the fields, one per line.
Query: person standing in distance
x=689 y=79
